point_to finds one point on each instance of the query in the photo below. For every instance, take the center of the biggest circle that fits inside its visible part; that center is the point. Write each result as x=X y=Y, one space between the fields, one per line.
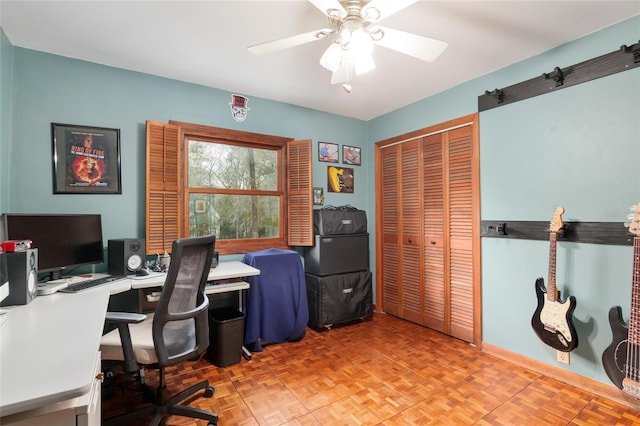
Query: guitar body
x=614 y=358
x=552 y=321
x=621 y=359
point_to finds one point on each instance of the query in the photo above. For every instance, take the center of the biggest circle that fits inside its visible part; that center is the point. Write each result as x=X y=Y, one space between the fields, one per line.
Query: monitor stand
x=55 y=275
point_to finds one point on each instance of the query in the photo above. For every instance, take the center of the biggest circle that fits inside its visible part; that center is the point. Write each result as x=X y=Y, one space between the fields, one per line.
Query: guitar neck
x=634 y=318
x=552 y=290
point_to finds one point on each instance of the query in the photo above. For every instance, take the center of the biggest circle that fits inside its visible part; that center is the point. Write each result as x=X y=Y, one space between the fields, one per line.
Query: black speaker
x=337 y=254
x=22 y=270
x=126 y=256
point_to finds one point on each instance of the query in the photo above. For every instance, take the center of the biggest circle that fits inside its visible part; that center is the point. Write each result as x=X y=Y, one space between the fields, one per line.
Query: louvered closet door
x=428 y=206
x=411 y=226
x=433 y=167
x=390 y=231
x=460 y=198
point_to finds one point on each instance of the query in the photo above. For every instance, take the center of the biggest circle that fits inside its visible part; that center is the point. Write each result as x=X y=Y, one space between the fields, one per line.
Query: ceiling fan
x=354 y=31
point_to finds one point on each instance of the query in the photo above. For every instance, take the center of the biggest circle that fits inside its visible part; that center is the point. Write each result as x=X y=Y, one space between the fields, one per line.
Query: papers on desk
x=154 y=296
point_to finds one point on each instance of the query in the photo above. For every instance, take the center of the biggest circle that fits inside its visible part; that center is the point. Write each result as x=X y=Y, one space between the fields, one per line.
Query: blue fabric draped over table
x=276 y=307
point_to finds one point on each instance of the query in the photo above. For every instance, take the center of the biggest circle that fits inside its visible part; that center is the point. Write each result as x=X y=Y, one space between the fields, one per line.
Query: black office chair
x=177 y=331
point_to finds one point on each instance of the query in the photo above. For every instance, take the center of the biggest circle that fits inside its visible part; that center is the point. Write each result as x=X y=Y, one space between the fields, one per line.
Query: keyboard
x=86 y=285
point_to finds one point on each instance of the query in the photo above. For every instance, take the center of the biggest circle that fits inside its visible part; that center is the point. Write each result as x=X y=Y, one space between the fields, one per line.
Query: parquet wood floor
x=383 y=372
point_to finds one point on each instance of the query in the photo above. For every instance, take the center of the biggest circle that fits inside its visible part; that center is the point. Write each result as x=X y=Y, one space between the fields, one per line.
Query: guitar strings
x=631 y=368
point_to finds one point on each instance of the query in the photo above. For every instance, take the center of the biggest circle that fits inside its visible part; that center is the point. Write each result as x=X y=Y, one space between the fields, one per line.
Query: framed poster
x=86 y=160
x=351 y=155
x=328 y=152
x=340 y=179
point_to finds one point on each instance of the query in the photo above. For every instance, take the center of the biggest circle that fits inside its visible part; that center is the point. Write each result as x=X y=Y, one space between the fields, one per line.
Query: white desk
x=224 y=271
x=228 y=272
x=48 y=348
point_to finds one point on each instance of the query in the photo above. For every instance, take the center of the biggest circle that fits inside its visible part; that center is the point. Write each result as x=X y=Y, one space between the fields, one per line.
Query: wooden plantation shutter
x=166 y=214
x=163 y=201
x=299 y=191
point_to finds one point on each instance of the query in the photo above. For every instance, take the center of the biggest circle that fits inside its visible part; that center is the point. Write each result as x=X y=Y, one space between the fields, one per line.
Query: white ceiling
x=205 y=42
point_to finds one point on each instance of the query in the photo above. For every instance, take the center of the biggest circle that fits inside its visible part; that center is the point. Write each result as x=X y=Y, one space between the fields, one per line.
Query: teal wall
x=579 y=147
x=51 y=88
x=6 y=83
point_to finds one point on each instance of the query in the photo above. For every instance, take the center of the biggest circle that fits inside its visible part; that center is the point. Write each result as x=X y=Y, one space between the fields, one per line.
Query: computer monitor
x=63 y=240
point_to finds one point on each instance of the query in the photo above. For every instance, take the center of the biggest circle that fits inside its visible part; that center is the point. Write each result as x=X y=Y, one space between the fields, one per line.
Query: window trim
x=199 y=132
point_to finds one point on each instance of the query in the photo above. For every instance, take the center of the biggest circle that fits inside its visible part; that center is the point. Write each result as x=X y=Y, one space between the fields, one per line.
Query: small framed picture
x=328 y=152
x=201 y=206
x=318 y=196
x=351 y=155
x=86 y=160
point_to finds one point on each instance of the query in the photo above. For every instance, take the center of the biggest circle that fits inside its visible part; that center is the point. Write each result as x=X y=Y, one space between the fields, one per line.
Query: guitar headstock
x=634 y=220
x=556 y=223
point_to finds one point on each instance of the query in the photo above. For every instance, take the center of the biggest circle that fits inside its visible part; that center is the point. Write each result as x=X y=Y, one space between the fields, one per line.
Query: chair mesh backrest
x=181 y=323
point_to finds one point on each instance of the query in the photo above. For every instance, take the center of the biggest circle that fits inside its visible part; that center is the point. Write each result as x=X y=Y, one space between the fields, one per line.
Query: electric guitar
x=621 y=358
x=552 y=320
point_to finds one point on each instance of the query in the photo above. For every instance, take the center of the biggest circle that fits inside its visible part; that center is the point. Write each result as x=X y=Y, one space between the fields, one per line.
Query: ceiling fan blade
x=420 y=47
x=325 y=5
x=285 y=43
x=386 y=7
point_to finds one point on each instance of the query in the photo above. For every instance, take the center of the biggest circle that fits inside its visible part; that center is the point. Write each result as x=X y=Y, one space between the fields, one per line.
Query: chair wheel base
x=208 y=392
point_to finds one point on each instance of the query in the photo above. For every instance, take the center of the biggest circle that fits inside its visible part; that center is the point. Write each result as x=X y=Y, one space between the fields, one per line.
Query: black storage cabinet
x=338 y=299
x=226 y=335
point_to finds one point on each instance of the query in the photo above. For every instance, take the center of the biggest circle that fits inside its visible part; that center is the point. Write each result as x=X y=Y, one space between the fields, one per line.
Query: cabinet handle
x=432 y=242
x=409 y=241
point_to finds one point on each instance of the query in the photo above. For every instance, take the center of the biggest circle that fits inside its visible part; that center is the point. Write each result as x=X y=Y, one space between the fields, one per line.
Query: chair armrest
x=122 y=321
x=124 y=317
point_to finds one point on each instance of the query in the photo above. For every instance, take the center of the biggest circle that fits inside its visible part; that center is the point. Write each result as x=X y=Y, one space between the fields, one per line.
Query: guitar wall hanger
x=634 y=49
x=610 y=233
x=555 y=75
x=622 y=59
x=497 y=94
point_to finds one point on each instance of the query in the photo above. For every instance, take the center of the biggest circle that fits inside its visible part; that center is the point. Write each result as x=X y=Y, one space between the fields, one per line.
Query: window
x=252 y=191
x=234 y=191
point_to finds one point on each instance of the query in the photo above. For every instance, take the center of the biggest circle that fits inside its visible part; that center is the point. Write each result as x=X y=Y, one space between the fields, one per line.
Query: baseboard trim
x=598 y=388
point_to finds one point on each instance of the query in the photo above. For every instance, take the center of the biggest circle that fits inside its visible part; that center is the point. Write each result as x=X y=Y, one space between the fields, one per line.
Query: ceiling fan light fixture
x=332 y=57
x=370 y=14
x=360 y=43
x=376 y=34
